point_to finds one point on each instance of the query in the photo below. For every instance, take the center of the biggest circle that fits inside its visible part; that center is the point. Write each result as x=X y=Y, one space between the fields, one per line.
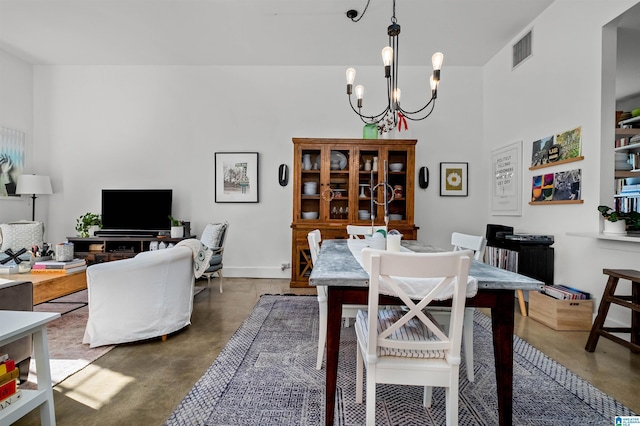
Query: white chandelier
x=390 y=60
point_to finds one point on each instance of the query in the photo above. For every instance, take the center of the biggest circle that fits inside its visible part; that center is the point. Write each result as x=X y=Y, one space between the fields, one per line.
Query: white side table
x=15 y=325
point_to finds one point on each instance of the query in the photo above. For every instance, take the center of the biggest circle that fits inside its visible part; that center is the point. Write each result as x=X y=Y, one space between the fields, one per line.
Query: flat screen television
x=136 y=211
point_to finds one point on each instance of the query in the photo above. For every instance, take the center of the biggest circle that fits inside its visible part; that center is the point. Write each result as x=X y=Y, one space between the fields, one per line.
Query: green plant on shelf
x=175 y=222
x=631 y=218
x=86 y=221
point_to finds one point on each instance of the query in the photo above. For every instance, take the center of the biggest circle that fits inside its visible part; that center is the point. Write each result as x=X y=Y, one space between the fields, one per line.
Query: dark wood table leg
x=502 y=320
x=334 y=318
x=635 y=316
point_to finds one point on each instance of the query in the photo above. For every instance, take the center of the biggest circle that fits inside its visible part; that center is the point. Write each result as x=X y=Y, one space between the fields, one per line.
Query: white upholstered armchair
x=150 y=295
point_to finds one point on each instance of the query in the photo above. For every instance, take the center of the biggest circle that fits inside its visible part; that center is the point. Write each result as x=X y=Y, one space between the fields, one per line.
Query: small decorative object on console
x=64 y=252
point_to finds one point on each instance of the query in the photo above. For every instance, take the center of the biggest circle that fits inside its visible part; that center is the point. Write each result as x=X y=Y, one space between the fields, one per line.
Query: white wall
x=16 y=112
x=557 y=89
x=103 y=126
x=159 y=127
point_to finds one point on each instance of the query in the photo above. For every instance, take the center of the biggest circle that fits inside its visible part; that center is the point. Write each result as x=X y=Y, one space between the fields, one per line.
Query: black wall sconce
x=423 y=177
x=283 y=175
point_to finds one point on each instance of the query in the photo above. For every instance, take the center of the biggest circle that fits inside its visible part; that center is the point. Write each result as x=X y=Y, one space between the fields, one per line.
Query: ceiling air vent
x=522 y=49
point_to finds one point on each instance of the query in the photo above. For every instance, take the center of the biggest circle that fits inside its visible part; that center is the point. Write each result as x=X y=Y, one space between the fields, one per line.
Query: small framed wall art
x=236 y=177
x=454 y=179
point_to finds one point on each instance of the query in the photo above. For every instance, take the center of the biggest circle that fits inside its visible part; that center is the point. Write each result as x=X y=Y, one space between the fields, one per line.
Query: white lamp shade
x=34 y=184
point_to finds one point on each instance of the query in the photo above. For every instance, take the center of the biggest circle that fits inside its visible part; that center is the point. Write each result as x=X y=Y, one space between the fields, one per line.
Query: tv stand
x=123 y=233
x=107 y=248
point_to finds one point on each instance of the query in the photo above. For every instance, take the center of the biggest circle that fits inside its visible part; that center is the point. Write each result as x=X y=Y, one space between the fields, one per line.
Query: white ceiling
x=257 y=32
x=267 y=32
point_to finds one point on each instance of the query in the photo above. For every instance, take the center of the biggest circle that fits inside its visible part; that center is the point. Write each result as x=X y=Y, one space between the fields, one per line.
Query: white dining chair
x=477 y=243
x=348 y=311
x=359 y=231
x=406 y=345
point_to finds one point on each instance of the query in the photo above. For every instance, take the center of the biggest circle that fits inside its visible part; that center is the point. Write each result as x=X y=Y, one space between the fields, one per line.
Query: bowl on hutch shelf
x=395 y=217
x=309 y=215
x=396 y=167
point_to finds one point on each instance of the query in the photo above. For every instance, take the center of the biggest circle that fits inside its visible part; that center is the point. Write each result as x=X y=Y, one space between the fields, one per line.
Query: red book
x=7 y=366
x=8 y=389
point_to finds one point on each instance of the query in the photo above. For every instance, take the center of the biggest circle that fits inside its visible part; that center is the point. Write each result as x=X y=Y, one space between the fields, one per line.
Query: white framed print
x=454 y=179
x=506 y=184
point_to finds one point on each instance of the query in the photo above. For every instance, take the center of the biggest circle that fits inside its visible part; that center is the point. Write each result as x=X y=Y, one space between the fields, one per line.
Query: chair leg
x=451 y=397
x=427 y=396
x=359 y=375
x=467 y=341
x=208 y=281
x=371 y=396
x=220 y=275
x=523 y=307
x=322 y=332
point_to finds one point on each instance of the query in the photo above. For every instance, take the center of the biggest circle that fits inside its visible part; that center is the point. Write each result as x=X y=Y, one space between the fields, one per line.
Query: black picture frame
x=236 y=177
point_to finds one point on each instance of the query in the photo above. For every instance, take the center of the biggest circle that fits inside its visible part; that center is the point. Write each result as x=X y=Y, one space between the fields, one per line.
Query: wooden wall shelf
x=544 y=203
x=556 y=163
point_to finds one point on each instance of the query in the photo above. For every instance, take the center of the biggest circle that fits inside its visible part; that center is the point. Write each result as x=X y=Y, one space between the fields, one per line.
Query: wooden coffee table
x=50 y=286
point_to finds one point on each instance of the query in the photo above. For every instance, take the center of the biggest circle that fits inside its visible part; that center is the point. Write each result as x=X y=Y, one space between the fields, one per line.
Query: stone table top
x=336 y=266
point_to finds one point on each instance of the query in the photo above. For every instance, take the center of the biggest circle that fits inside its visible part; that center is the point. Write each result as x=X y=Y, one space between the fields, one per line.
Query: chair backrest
x=398 y=272
x=314 y=237
x=356 y=231
x=214 y=235
x=223 y=237
x=477 y=243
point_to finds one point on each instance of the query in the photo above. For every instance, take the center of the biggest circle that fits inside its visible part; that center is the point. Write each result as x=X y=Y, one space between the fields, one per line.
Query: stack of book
x=9 y=379
x=563 y=292
x=59 y=267
x=633 y=189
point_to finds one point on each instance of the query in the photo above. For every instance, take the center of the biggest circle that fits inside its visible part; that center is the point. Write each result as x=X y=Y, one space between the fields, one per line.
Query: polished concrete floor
x=141 y=383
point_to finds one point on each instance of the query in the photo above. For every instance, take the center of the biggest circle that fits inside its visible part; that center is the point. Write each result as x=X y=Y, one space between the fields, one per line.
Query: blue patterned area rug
x=266 y=375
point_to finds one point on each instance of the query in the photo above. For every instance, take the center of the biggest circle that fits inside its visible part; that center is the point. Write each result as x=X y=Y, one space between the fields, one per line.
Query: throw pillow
x=19 y=235
x=212 y=235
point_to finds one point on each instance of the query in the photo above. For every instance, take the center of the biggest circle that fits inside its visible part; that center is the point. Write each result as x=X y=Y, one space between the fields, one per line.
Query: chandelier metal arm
x=418 y=111
x=408 y=117
x=373 y=119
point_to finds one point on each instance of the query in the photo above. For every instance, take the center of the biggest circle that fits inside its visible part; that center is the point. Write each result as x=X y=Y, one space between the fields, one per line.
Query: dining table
x=348 y=283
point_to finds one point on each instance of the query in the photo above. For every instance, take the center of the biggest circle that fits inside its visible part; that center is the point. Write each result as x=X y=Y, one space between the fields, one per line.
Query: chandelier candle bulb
x=359 y=94
x=436 y=61
x=351 y=76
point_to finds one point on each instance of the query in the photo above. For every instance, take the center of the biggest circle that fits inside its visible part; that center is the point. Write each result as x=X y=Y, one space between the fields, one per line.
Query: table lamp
x=34 y=185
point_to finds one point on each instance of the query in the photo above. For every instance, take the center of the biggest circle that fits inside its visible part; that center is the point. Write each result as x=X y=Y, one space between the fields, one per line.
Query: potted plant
x=177 y=230
x=617 y=222
x=87 y=224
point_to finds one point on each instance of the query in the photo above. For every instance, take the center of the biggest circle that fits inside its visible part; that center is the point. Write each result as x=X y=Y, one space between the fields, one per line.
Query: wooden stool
x=632 y=302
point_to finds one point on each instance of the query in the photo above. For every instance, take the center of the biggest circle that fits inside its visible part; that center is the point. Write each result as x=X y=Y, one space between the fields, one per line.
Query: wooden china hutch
x=331 y=189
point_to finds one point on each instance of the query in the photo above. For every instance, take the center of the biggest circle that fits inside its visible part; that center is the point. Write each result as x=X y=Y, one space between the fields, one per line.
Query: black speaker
x=283 y=175
x=423 y=177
